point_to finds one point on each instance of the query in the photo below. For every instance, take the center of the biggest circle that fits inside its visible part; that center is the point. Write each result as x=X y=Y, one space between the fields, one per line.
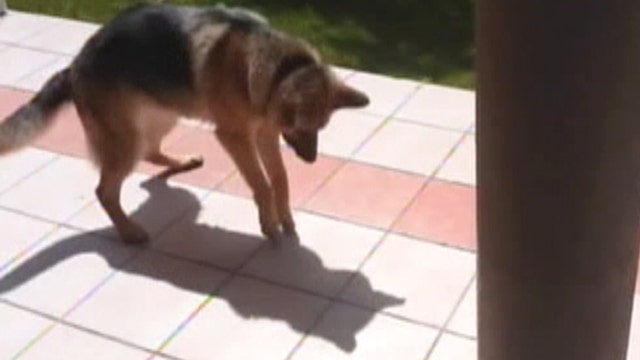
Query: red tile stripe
x=347 y=190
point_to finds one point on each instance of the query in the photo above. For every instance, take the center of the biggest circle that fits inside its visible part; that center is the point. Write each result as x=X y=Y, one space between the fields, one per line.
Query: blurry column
x=558 y=138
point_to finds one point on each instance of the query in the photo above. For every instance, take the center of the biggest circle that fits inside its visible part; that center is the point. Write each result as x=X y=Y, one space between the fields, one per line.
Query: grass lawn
x=429 y=40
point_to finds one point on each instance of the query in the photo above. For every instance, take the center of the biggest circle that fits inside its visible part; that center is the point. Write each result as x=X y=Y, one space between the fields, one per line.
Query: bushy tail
x=33 y=118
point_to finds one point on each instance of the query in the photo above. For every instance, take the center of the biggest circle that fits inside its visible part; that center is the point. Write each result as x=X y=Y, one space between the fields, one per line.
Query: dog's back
x=158 y=49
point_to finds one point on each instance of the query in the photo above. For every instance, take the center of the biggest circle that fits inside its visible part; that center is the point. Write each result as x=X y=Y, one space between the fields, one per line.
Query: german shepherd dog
x=154 y=63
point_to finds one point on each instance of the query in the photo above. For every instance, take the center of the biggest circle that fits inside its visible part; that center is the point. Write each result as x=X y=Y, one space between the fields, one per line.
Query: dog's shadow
x=308 y=263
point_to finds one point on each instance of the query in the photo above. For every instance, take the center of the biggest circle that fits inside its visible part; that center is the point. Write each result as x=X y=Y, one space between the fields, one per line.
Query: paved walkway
x=385 y=268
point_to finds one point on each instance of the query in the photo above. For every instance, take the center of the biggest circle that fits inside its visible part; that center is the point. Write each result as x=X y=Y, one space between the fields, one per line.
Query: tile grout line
x=231 y=275
x=124 y=264
x=62 y=319
x=29 y=248
x=289 y=287
x=55 y=157
x=459 y=334
x=17 y=81
x=382 y=229
x=57 y=321
x=334 y=299
x=19 y=45
x=41 y=335
x=456 y=307
x=54 y=22
x=430 y=125
x=51 y=24
x=429 y=179
x=387 y=118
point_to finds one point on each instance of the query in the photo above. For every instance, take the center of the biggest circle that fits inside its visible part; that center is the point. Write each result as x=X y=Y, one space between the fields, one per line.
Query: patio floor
x=385 y=268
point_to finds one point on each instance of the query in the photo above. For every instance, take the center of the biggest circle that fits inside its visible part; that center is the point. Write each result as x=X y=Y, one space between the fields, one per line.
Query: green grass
x=430 y=40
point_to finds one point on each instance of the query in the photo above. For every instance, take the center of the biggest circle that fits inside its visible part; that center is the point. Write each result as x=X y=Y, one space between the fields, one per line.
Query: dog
x=154 y=63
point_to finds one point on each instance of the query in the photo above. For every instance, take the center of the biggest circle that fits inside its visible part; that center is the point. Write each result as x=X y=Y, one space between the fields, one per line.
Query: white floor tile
x=447 y=107
x=248 y=320
x=430 y=278
x=19 y=233
x=145 y=302
x=61 y=270
x=198 y=236
x=35 y=80
x=154 y=204
x=454 y=348
x=466 y=317
x=346 y=131
x=17 y=63
x=56 y=192
x=66 y=37
x=15 y=167
x=16 y=26
x=234 y=213
x=634 y=337
x=326 y=258
x=66 y=343
x=460 y=167
x=18 y=329
x=347 y=332
x=386 y=94
x=409 y=147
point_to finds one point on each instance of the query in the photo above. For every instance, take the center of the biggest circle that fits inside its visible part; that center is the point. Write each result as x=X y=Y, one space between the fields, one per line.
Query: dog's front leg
x=269 y=150
x=242 y=149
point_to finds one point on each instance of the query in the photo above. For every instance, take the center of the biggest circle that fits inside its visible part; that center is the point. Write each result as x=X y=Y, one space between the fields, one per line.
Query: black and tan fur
x=155 y=63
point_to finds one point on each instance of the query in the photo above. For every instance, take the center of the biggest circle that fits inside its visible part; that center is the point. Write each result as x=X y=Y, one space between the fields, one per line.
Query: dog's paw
x=274 y=235
x=286 y=238
x=289 y=226
x=286 y=219
x=193 y=162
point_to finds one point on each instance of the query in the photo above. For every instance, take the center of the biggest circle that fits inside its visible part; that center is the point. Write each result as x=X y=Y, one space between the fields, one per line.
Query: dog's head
x=306 y=100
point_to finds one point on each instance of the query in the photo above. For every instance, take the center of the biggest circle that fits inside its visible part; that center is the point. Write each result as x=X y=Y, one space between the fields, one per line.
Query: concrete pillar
x=558 y=138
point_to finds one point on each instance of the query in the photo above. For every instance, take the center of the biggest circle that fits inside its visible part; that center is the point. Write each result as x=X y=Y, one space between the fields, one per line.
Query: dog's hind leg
x=174 y=164
x=108 y=192
x=155 y=123
x=116 y=145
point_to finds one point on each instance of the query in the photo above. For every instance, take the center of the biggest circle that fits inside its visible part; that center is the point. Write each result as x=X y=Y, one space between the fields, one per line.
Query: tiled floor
x=384 y=269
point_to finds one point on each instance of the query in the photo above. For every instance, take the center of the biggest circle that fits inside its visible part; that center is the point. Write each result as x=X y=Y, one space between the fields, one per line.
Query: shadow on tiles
x=311 y=266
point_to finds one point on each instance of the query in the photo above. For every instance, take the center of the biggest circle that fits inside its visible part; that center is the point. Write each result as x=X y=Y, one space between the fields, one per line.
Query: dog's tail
x=33 y=118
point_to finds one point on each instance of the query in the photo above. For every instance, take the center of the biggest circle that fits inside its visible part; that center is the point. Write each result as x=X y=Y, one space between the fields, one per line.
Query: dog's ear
x=345 y=96
x=272 y=61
